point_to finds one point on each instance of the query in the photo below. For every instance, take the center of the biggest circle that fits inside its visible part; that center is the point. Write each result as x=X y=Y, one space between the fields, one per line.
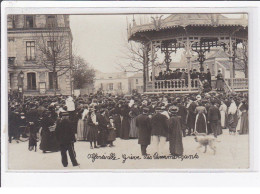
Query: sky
x=101 y=39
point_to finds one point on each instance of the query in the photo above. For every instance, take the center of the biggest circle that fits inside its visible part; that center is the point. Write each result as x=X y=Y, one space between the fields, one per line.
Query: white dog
x=206 y=140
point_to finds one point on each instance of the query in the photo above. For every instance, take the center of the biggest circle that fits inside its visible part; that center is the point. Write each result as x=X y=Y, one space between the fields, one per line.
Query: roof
x=113 y=75
x=137 y=75
x=217 y=53
x=183 y=20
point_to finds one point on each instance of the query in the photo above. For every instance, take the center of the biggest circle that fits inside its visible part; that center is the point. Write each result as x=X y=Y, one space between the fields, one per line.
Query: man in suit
x=66 y=138
x=213 y=118
x=159 y=132
x=143 y=124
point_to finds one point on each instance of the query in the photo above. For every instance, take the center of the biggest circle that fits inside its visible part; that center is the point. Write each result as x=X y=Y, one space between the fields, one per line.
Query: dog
x=32 y=142
x=206 y=140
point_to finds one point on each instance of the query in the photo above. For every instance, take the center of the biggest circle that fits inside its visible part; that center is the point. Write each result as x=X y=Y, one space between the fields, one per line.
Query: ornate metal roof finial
x=157 y=22
x=215 y=19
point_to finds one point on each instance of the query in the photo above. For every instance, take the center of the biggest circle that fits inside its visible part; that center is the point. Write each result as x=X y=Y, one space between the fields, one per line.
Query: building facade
x=111 y=83
x=29 y=70
x=135 y=82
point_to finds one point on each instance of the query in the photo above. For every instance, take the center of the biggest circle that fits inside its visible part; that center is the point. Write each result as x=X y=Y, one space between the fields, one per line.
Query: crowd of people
x=59 y=121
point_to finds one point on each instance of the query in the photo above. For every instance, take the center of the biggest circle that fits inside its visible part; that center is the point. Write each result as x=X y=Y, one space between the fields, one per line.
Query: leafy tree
x=82 y=72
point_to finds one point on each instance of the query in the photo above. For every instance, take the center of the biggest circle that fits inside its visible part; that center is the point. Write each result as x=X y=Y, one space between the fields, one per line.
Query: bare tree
x=137 y=57
x=55 y=52
x=243 y=56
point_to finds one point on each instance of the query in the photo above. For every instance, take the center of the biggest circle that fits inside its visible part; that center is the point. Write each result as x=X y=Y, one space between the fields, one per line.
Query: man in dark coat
x=214 y=117
x=13 y=124
x=159 y=132
x=66 y=138
x=143 y=124
x=32 y=118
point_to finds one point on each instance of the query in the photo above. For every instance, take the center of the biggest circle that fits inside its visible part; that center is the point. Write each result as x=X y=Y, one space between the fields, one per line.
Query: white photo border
x=134 y=177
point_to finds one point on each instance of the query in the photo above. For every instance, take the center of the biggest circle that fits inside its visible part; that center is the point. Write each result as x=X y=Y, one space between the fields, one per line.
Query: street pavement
x=232 y=153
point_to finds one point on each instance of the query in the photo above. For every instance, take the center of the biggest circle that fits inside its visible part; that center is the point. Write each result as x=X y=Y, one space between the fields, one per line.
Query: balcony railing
x=173 y=85
x=238 y=83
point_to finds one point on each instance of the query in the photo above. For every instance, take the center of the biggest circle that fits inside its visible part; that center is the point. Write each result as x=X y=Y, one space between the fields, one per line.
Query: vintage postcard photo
x=127 y=91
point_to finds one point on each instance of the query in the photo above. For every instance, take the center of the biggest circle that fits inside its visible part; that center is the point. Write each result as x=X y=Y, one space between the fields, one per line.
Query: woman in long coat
x=232 y=116
x=175 y=133
x=92 y=132
x=244 y=125
x=220 y=81
x=81 y=130
x=102 y=128
x=191 y=116
x=201 y=120
x=223 y=114
x=48 y=136
x=125 y=126
x=133 y=129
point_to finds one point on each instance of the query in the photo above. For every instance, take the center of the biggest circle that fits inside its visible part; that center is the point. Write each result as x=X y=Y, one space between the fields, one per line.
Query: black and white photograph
x=127 y=91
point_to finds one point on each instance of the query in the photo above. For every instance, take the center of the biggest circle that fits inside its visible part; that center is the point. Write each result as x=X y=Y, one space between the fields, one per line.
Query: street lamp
x=21 y=75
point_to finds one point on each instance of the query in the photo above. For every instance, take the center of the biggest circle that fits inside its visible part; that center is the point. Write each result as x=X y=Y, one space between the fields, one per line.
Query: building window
x=29 y=21
x=30 y=50
x=51 y=21
x=51 y=80
x=136 y=81
x=120 y=86
x=51 y=44
x=31 y=81
x=11 y=60
x=110 y=86
x=101 y=86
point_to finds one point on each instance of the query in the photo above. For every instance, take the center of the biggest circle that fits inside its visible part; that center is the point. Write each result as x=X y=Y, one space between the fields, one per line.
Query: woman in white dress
x=239 y=113
x=223 y=114
x=82 y=126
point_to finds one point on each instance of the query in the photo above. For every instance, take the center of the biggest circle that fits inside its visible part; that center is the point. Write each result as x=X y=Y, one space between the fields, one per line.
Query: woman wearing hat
x=48 y=136
x=133 y=114
x=92 y=133
x=244 y=125
x=102 y=128
x=125 y=128
x=175 y=132
x=232 y=116
x=220 y=81
x=201 y=121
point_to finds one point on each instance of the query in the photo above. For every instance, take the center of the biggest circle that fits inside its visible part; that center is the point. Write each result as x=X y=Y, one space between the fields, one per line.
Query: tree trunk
x=144 y=78
x=55 y=81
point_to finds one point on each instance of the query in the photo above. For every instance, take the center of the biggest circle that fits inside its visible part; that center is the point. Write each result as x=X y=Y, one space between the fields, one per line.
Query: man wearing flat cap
x=143 y=123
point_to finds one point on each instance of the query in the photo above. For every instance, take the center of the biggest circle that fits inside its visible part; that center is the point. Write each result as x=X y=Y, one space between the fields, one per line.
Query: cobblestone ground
x=232 y=153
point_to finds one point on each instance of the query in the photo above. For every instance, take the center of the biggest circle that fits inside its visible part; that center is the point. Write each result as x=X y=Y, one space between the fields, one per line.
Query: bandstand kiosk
x=195 y=33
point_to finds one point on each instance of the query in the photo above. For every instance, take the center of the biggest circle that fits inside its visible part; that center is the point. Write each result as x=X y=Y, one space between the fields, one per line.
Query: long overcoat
x=143 y=123
x=175 y=135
